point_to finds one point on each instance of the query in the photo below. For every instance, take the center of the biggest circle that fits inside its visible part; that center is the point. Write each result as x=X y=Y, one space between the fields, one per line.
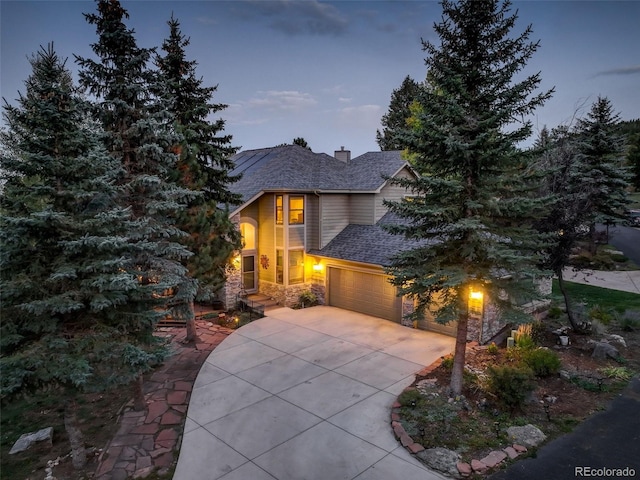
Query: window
x=280 y=266
x=248 y=233
x=296 y=266
x=279 y=209
x=296 y=210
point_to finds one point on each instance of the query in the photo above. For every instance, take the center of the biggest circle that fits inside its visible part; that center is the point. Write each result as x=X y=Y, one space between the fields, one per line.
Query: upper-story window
x=279 y=209
x=296 y=210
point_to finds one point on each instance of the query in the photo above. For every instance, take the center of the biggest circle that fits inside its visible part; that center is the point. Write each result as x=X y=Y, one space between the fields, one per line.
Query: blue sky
x=325 y=70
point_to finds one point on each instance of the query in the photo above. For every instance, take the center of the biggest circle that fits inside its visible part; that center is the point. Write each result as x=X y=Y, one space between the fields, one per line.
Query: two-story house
x=311 y=221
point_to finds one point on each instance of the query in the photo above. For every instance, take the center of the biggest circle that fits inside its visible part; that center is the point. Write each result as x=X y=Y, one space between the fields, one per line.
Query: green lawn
x=603 y=297
x=634 y=200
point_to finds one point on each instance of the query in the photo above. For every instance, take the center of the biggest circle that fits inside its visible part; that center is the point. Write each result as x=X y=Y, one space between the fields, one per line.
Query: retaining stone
x=477 y=466
x=494 y=458
x=464 y=469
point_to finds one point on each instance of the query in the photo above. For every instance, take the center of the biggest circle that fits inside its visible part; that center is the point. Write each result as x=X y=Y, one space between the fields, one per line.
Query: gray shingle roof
x=291 y=167
x=368 y=243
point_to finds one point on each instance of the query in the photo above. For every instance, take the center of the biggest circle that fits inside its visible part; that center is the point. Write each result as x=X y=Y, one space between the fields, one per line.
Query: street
x=625 y=239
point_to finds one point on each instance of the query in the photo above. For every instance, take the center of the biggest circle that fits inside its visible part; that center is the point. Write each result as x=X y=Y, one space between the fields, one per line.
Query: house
x=311 y=221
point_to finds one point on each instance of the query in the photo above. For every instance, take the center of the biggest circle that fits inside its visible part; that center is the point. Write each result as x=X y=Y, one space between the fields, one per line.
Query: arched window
x=248 y=232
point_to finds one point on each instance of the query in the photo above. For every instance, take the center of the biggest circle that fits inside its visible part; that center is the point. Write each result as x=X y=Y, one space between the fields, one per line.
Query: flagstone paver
x=149 y=440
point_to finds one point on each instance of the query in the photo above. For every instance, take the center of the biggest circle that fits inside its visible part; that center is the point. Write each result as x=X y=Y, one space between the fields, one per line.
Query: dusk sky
x=325 y=70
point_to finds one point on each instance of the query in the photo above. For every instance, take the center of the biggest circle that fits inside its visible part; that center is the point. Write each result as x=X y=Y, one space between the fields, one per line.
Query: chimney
x=342 y=155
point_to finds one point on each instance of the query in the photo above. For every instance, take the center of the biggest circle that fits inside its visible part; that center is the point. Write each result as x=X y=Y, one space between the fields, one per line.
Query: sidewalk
x=625 y=281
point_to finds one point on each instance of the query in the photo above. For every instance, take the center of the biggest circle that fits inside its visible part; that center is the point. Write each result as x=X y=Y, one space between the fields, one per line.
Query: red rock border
x=481 y=466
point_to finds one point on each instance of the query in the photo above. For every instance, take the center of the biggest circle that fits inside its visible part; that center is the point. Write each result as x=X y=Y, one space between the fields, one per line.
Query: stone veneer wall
x=286 y=296
x=319 y=290
x=491 y=323
x=233 y=284
x=408 y=307
x=232 y=287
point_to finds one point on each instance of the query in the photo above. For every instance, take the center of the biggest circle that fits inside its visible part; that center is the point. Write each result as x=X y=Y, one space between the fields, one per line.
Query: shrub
x=542 y=361
x=447 y=362
x=492 y=348
x=307 y=299
x=523 y=337
x=510 y=385
x=629 y=320
x=538 y=330
x=617 y=373
x=603 y=315
x=555 y=312
x=411 y=398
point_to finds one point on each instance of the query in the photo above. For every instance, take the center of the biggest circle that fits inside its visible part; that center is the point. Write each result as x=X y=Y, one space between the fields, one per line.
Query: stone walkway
x=149 y=440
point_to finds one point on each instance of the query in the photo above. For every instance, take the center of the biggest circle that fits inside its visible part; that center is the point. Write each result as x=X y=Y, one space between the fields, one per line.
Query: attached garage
x=364 y=292
x=430 y=324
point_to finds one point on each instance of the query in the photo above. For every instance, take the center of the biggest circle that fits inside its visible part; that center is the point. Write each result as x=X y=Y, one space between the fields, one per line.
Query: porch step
x=269 y=303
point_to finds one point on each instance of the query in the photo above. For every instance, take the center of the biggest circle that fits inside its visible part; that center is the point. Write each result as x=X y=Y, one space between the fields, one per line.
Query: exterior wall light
x=317 y=267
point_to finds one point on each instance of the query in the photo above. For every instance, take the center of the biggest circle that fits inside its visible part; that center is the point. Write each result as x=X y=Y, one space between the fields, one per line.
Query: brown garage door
x=364 y=292
x=430 y=324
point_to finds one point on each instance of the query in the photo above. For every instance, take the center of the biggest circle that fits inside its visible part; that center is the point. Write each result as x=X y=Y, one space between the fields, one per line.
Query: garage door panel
x=429 y=323
x=367 y=293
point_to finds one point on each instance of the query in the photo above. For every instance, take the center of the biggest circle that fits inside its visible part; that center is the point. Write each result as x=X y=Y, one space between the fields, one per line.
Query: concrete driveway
x=305 y=394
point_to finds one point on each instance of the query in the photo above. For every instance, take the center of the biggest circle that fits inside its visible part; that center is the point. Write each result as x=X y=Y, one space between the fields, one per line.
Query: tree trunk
x=455 y=386
x=593 y=245
x=192 y=333
x=567 y=304
x=78 y=452
x=139 y=403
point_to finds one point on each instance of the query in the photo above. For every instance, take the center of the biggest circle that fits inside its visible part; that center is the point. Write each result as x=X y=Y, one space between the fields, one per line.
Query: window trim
x=300 y=210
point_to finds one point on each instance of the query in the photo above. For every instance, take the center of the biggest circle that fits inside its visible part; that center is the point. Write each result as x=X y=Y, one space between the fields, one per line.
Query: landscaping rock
x=441 y=460
x=27 y=439
x=604 y=350
x=616 y=339
x=519 y=448
x=511 y=452
x=464 y=469
x=529 y=435
x=565 y=375
x=494 y=458
x=478 y=466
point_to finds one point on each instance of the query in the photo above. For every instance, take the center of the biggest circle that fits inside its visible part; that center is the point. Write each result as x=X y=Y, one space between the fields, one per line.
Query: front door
x=249 y=273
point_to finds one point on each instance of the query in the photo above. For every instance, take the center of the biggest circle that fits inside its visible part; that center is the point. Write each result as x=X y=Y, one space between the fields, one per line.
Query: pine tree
x=62 y=239
x=633 y=160
x=470 y=207
x=607 y=179
x=300 y=141
x=139 y=133
x=395 y=120
x=560 y=163
x=203 y=165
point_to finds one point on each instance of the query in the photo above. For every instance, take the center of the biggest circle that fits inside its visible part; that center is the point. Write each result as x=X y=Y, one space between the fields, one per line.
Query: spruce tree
x=602 y=151
x=203 y=165
x=469 y=206
x=139 y=133
x=568 y=210
x=394 y=122
x=64 y=273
